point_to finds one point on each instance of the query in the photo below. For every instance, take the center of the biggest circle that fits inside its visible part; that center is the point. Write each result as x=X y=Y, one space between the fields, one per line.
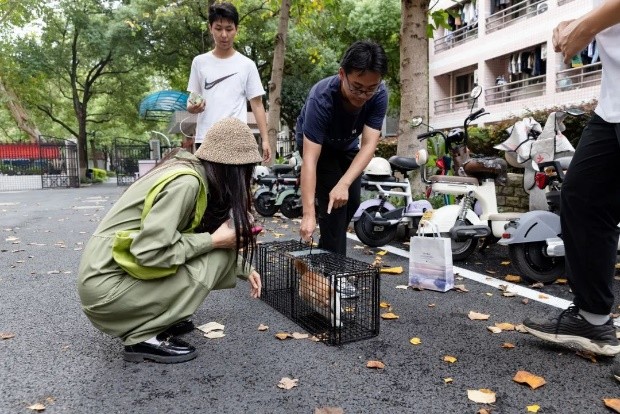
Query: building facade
x=505 y=46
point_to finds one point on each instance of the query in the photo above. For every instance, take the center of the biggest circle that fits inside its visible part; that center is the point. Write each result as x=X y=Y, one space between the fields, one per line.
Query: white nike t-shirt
x=226 y=85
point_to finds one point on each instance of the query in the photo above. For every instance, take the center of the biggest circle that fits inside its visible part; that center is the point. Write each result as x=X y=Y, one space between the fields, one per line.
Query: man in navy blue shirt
x=339 y=109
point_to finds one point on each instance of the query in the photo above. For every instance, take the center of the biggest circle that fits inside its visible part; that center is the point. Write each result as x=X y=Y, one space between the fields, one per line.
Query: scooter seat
x=282 y=168
x=487 y=168
x=403 y=164
x=378 y=178
x=454 y=179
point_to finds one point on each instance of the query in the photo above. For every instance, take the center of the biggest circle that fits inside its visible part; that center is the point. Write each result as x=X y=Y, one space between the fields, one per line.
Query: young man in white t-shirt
x=224 y=80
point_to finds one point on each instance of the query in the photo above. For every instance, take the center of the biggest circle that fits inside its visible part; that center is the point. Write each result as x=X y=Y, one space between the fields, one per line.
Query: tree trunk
x=413 y=77
x=19 y=114
x=277 y=73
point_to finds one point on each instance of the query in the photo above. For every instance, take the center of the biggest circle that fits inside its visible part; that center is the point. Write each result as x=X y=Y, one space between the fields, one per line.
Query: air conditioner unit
x=542 y=7
x=155 y=147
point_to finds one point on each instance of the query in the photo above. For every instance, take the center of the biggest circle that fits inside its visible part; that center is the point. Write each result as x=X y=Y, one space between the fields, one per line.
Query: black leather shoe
x=169 y=351
x=179 y=328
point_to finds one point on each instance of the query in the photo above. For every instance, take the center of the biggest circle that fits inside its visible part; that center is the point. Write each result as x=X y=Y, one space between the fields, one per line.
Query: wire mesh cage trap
x=333 y=297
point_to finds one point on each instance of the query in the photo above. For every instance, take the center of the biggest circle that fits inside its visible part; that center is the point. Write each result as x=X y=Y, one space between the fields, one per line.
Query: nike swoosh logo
x=209 y=85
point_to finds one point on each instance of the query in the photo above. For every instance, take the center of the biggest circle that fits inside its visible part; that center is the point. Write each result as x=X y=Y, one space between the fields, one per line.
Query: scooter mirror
x=421 y=156
x=575 y=111
x=476 y=92
x=416 y=121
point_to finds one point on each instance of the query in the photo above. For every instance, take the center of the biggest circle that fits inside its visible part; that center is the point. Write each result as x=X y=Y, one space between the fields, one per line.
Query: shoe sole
x=577 y=342
x=140 y=357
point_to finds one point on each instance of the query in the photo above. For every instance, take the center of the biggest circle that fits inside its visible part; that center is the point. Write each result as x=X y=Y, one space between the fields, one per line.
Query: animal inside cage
x=333 y=297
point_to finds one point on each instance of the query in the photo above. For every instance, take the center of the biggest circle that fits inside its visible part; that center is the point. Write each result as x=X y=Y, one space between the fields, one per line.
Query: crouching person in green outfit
x=174 y=235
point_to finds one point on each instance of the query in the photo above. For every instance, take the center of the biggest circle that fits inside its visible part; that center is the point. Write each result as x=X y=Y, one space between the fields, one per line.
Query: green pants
x=136 y=310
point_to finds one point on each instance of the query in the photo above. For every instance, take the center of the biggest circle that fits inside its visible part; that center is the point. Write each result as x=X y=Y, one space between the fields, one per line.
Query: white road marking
x=491 y=281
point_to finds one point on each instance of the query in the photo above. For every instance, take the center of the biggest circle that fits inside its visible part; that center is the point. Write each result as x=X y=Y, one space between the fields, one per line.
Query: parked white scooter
x=376 y=220
x=534 y=240
x=474 y=181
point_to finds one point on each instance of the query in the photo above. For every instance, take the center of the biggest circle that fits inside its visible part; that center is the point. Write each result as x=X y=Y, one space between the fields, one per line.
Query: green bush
x=99 y=174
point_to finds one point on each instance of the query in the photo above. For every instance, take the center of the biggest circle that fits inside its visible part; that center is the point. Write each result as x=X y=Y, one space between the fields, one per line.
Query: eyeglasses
x=360 y=92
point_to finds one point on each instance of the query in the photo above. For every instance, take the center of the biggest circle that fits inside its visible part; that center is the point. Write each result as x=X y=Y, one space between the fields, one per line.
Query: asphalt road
x=57 y=359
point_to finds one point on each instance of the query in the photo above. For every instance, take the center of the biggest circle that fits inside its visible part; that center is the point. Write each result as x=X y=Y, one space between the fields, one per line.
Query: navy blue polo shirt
x=324 y=120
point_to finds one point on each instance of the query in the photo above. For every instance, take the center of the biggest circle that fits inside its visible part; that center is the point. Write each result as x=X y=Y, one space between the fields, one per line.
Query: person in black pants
x=590 y=209
x=339 y=109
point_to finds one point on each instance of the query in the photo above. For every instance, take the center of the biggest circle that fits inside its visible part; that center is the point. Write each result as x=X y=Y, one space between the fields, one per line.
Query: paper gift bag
x=430 y=263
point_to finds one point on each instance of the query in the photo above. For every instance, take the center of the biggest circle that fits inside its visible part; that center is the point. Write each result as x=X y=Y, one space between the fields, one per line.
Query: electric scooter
x=375 y=221
x=266 y=194
x=474 y=182
x=534 y=240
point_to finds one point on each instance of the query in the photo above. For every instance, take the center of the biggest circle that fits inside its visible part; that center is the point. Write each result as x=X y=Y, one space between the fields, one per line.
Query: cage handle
x=301 y=242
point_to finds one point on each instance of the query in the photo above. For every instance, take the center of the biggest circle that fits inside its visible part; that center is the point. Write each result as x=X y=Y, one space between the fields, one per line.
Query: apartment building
x=505 y=46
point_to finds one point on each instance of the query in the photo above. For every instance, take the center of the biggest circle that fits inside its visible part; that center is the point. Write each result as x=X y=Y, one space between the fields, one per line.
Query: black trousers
x=590 y=213
x=331 y=166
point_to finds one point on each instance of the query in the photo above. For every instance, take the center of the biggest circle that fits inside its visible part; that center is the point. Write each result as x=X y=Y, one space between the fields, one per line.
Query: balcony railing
x=512 y=91
x=581 y=77
x=515 y=13
x=453 y=103
x=457 y=37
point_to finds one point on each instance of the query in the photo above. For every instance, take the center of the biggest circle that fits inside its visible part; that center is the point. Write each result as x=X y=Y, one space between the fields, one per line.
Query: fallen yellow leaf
x=392 y=270
x=561 y=281
x=262 y=327
x=211 y=326
x=297 y=335
x=475 y=316
x=460 y=288
x=283 y=335
x=214 y=334
x=505 y=263
x=6 y=335
x=613 y=403
x=507 y=345
x=384 y=305
x=37 y=407
x=375 y=364
x=288 y=383
x=482 y=396
x=382 y=252
x=533 y=408
x=415 y=341
x=520 y=328
x=389 y=315
x=489 y=294
x=494 y=329
x=448 y=380
x=450 y=359
x=587 y=355
x=505 y=326
x=431 y=305
x=512 y=278
x=530 y=379
x=543 y=296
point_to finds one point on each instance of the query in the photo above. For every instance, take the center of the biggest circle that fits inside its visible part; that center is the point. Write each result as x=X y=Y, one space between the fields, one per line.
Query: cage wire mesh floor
x=333 y=297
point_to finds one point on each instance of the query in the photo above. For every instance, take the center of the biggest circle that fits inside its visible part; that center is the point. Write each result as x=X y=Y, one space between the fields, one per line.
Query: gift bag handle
x=434 y=226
